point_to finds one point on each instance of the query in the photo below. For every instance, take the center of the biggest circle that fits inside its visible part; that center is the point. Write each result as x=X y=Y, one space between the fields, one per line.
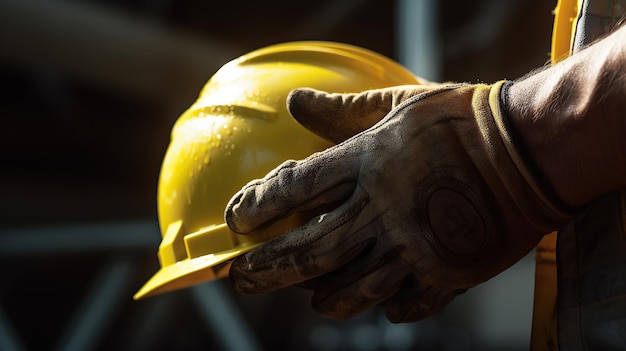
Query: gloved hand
x=430 y=201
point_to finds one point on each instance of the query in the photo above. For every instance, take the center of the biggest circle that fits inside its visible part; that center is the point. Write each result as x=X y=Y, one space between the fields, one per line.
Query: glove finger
x=295 y=186
x=320 y=246
x=337 y=117
x=416 y=302
x=365 y=283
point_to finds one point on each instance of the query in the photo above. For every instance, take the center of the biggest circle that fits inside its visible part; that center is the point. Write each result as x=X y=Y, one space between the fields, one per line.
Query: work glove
x=427 y=199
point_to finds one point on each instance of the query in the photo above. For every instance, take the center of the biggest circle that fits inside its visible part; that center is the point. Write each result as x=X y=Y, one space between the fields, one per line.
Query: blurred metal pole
x=97 y=309
x=418 y=42
x=9 y=340
x=130 y=235
x=223 y=317
x=155 y=319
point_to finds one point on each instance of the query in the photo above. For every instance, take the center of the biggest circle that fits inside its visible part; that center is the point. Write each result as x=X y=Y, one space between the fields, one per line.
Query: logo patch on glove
x=455 y=221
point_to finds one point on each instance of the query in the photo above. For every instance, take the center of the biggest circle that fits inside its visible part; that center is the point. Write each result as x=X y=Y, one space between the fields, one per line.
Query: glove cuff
x=545 y=195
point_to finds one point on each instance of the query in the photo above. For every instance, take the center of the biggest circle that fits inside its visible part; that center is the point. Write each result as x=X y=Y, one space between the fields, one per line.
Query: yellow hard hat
x=238 y=130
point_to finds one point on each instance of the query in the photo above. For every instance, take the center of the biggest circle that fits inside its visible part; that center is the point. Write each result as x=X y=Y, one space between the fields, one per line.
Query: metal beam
x=131 y=235
x=98 y=308
x=222 y=316
x=9 y=339
x=418 y=43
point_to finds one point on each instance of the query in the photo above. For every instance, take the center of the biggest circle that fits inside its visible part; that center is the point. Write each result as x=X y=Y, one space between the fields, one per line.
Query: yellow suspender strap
x=565 y=19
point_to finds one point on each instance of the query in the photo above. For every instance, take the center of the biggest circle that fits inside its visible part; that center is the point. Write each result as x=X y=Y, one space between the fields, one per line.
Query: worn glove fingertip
x=299 y=100
x=303 y=104
x=323 y=113
x=239 y=280
x=231 y=219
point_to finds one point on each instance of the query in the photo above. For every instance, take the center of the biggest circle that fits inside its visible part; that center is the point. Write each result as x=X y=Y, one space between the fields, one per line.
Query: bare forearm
x=571 y=120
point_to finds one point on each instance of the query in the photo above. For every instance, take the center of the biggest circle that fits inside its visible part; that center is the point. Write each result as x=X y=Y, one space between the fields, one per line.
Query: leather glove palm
x=428 y=202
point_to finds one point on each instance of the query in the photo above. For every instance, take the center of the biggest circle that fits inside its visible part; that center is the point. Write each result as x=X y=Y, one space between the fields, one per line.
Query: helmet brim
x=192 y=271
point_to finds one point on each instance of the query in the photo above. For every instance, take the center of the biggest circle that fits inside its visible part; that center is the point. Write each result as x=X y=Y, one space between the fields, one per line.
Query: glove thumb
x=337 y=117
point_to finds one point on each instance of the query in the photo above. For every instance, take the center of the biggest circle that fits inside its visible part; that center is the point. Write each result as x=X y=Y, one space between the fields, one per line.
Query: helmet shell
x=238 y=130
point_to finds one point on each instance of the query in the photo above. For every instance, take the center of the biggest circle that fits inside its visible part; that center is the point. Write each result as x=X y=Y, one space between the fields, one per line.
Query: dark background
x=89 y=92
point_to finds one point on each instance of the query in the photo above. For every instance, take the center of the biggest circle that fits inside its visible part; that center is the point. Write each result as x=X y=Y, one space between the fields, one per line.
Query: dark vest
x=591 y=271
x=591 y=250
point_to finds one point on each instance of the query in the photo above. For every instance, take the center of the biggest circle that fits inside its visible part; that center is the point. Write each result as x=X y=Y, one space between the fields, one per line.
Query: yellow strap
x=565 y=20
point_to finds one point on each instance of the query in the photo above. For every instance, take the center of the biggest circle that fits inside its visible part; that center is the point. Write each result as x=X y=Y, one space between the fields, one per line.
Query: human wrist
x=569 y=121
